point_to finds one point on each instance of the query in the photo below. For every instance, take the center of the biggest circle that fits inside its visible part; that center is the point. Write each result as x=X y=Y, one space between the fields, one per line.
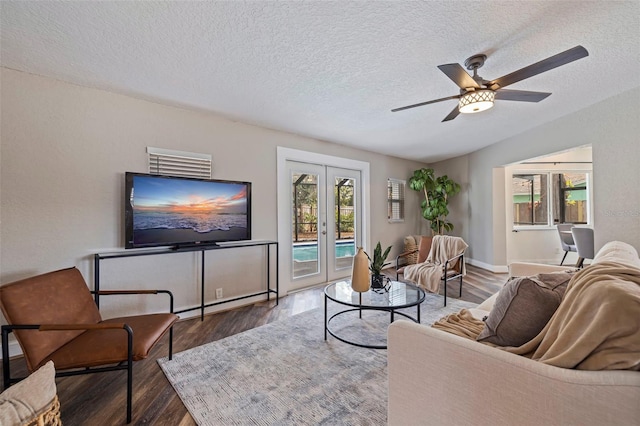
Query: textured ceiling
x=333 y=70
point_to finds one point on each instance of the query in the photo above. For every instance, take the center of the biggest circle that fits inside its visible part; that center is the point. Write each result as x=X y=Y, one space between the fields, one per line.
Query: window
x=548 y=198
x=395 y=197
x=571 y=204
x=530 y=199
x=179 y=163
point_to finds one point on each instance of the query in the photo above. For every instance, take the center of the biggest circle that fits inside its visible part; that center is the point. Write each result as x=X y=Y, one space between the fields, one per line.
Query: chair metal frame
x=124 y=365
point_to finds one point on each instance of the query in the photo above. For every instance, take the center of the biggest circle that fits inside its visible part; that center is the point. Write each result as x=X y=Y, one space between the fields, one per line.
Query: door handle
x=324 y=232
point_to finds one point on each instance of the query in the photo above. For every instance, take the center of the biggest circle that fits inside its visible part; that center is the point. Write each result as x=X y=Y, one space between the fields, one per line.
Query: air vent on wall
x=168 y=162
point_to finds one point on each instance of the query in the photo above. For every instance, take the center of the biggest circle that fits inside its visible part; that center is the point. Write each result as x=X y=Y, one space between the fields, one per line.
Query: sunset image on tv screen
x=183 y=210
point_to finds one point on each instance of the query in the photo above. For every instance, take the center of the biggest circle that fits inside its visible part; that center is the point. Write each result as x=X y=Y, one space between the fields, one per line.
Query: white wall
x=611 y=127
x=65 y=149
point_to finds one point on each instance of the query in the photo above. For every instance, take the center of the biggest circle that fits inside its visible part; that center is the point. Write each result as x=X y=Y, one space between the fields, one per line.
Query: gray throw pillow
x=523 y=307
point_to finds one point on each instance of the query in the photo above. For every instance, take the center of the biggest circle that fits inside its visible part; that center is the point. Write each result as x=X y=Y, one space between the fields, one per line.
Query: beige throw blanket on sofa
x=597 y=325
x=429 y=273
x=461 y=324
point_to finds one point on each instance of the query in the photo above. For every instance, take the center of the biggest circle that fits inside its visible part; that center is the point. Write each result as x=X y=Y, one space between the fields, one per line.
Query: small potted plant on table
x=377 y=264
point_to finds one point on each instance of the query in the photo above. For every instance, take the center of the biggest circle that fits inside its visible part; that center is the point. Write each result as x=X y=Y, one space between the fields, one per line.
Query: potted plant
x=377 y=264
x=437 y=191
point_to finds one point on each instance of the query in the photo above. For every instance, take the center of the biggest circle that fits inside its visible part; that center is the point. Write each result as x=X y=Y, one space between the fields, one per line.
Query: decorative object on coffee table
x=360 y=273
x=377 y=264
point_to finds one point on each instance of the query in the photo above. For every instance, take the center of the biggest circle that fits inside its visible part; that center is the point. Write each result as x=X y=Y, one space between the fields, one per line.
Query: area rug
x=285 y=373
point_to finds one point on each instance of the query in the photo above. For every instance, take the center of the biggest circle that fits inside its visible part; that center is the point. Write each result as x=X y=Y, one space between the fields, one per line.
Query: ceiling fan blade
x=425 y=103
x=520 y=95
x=453 y=114
x=459 y=76
x=550 y=63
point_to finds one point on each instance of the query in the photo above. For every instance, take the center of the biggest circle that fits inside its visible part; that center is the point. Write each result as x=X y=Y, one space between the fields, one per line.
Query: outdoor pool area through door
x=325 y=222
x=343 y=232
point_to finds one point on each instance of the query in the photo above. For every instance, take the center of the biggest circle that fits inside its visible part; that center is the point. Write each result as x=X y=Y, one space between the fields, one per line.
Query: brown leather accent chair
x=55 y=318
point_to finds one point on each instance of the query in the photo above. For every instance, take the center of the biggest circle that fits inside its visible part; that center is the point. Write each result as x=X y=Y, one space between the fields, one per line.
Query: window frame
x=400 y=201
x=553 y=194
x=561 y=193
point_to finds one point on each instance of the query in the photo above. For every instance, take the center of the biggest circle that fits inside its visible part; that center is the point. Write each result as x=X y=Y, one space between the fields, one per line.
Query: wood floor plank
x=100 y=399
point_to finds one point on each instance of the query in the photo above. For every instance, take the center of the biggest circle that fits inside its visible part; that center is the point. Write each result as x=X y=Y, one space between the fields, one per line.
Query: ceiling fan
x=478 y=94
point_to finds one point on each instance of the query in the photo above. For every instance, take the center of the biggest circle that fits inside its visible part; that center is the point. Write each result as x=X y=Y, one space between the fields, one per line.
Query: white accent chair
x=583 y=238
x=566 y=239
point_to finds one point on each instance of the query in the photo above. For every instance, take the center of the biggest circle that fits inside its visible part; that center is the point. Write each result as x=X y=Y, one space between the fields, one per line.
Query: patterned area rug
x=285 y=373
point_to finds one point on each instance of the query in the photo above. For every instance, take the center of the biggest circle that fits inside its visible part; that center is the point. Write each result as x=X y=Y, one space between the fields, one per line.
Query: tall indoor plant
x=437 y=191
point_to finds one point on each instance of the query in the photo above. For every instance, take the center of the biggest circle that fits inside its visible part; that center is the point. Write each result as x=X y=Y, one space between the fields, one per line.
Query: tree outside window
x=344 y=208
x=571 y=204
x=305 y=207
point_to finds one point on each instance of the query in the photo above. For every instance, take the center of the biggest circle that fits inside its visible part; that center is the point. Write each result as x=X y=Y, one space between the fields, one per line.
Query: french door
x=326 y=222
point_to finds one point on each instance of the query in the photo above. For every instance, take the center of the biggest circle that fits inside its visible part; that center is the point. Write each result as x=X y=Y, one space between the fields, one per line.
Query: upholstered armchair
x=416 y=250
x=55 y=318
x=440 y=260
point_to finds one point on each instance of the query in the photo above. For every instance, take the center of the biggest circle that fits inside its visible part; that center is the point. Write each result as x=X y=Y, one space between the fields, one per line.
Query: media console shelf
x=201 y=248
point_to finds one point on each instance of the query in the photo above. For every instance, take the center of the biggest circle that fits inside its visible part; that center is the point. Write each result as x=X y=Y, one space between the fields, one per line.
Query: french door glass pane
x=305 y=224
x=343 y=192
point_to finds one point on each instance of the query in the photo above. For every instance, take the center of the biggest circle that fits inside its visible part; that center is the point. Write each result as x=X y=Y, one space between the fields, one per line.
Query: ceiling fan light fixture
x=476 y=101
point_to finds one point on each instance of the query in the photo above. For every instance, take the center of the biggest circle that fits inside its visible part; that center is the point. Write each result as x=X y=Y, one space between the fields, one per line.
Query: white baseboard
x=497 y=269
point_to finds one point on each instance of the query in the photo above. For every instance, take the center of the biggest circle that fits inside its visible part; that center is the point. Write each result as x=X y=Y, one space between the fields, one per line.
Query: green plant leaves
x=377 y=264
x=437 y=192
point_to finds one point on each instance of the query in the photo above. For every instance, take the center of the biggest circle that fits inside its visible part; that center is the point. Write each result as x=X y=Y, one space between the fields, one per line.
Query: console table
x=98 y=257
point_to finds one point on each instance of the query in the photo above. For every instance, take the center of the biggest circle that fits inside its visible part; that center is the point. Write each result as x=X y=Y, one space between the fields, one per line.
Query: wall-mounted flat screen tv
x=182 y=212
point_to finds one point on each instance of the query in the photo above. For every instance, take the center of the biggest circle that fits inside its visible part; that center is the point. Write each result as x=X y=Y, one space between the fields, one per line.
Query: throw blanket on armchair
x=597 y=325
x=429 y=273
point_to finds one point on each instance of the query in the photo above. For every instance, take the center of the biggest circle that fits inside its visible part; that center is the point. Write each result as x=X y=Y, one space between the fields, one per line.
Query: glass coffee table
x=397 y=295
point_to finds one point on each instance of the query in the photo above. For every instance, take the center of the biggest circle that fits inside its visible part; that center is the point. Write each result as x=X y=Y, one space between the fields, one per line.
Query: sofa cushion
x=523 y=307
x=410 y=244
x=617 y=251
x=487 y=305
x=424 y=245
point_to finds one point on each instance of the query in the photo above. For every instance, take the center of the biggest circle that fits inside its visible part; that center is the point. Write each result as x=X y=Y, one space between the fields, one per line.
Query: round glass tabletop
x=397 y=295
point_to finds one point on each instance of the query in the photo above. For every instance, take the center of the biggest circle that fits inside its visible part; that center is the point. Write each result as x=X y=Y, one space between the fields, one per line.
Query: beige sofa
x=437 y=378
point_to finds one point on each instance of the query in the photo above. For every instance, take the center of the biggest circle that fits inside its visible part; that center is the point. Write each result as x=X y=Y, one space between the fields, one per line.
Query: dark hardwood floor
x=99 y=399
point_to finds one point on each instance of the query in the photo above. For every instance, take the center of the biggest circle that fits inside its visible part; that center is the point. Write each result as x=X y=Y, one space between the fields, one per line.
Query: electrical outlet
x=218 y=293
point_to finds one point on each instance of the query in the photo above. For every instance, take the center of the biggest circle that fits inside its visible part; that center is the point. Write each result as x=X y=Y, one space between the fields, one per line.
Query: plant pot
x=377 y=281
